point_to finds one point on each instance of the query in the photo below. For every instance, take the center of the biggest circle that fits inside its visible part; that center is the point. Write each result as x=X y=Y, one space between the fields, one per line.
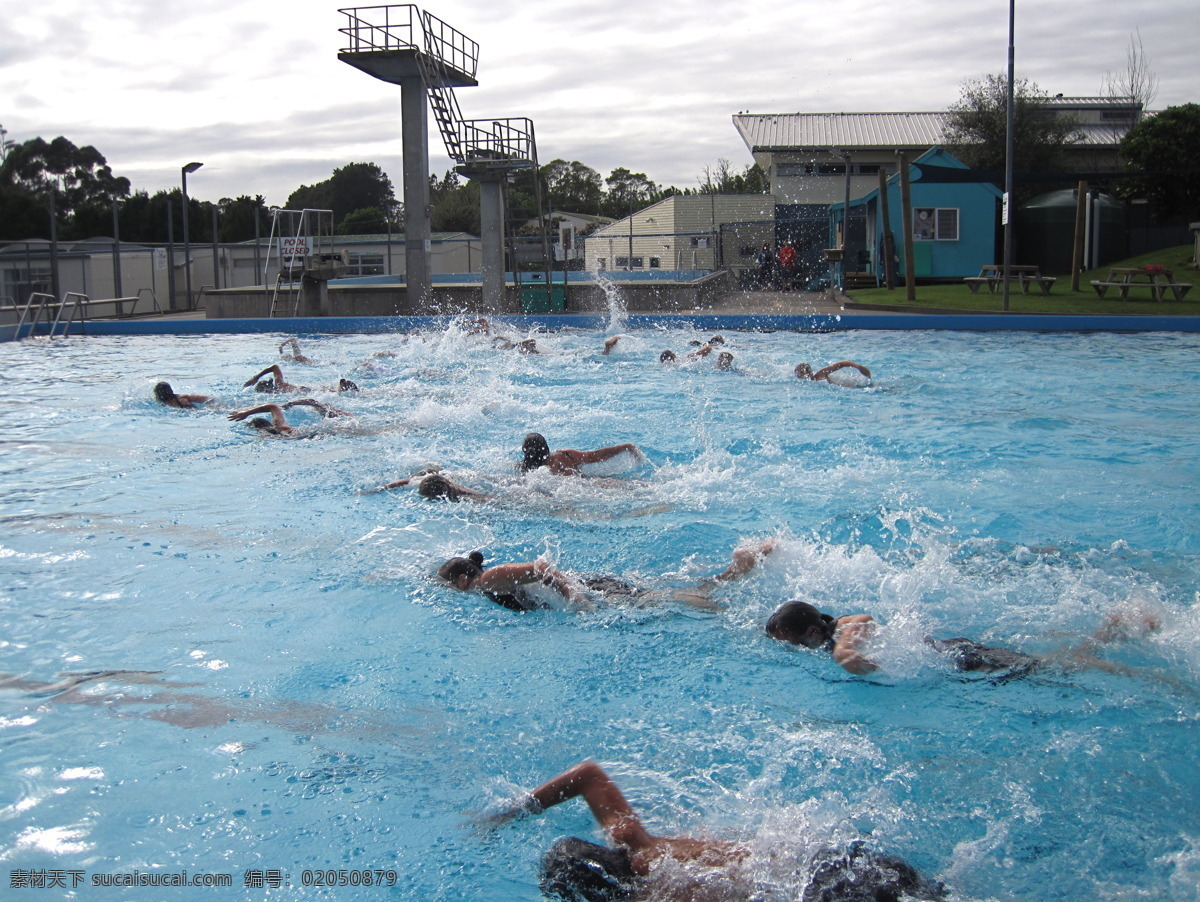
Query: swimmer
x=567 y=461
x=295 y=356
x=610 y=343
x=683 y=869
x=528 y=346
x=799 y=623
x=724 y=361
x=277 y=384
x=164 y=394
x=436 y=487
x=668 y=357
x=804 y=371
x=278 y=424
x=513 y=586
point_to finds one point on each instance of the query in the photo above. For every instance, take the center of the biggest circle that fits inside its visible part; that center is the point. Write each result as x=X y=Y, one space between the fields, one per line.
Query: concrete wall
x=448 y=300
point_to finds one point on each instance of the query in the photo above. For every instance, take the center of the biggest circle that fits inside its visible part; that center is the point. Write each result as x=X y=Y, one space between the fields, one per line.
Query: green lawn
x=956 y=296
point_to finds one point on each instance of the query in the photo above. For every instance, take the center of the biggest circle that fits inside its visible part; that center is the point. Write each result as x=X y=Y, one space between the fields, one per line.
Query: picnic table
x=992 y=276
x=1158 y=279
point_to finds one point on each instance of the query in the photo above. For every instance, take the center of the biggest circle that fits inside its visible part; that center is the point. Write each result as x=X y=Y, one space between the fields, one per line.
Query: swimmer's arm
x=507 y=578
x=853 y=633
x=608 y=804
x=273 y=370
x=745 y=560
x=324 y=409
x=610 y=343
x=274 y=410
x=825 y=371
x=194 y=399
x=397 y=484
x=600 y=455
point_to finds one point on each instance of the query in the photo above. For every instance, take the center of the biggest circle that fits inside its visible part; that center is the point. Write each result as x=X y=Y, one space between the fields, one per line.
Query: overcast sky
x=254 y=90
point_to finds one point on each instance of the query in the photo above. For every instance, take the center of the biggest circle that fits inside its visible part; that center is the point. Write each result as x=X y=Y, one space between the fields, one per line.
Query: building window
x=935 y=224
x=786 y=170
x=601 y=263
x=832 y=169
x=655 y=263
x=365 y=265
x=868 y=168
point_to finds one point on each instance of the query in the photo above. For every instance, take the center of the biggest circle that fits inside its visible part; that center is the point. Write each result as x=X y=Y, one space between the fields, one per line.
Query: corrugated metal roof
x=780 y=131
x=849 y=131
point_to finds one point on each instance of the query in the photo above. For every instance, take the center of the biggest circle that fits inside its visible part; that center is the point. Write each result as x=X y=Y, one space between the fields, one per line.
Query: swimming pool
x=323 y=705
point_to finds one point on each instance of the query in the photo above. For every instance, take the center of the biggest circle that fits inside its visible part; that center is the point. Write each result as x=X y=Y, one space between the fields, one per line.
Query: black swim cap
x=576 y=870
x=860 y=875
x=435 y=486
x=536 y=450
x=164 y=393
x=793 y=619
x=472 y=564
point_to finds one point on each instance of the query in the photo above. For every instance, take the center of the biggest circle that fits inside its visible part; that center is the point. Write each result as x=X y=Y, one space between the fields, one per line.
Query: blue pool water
x=322 y=704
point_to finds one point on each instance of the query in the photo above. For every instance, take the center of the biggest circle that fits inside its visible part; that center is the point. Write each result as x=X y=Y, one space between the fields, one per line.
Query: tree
x=976 y=126
x=724 y=180
x=628 y=191
x=356 y=186
x=458 y=211
x=1137 y=82
x=573 y=187
x=238 y=215
x=1166 y=147
x=78 y=178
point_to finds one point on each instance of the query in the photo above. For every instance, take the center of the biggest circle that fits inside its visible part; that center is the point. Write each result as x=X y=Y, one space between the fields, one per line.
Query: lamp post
x=187 y=251
x=1009 y=131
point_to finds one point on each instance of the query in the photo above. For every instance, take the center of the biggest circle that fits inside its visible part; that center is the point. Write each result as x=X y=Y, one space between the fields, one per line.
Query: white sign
x=292 y=247
x=1004 y=210
x=160 y=258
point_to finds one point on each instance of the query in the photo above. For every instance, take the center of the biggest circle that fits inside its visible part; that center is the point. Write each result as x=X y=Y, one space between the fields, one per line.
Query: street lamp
x=187 y=252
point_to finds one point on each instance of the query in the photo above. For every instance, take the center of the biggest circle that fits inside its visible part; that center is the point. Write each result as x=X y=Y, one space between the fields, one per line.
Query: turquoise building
x=955 y=221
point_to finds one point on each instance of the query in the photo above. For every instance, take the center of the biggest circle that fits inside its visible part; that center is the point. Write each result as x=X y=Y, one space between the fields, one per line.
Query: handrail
x=153 y=299
x=38 y=314
x=371 y=28
x=75 y=308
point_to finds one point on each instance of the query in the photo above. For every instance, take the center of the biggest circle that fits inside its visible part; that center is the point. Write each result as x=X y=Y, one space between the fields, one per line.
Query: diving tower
x=428 y=59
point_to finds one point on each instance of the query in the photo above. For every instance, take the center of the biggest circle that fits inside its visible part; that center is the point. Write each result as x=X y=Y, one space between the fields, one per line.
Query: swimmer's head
x=435 y=486
x=164 y=393
x=575 y=870
x=803 y=371
x=667 y=357
x=346 y=385
x=262 y=423
x=536 y=450
x=799 y=623
x=528 y=346
x=717 y=340
x=724 y=361
x=266 y=385
x=461 y=572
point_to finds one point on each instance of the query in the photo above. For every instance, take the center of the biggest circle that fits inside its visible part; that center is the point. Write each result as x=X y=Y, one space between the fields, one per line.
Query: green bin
x=542 y=299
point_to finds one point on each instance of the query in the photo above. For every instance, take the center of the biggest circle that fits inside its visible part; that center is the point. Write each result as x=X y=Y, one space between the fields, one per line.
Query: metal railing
x=501 y=140
x=405 y=27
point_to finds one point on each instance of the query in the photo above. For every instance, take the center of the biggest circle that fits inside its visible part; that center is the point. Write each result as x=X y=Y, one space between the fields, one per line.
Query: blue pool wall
x=598 y=322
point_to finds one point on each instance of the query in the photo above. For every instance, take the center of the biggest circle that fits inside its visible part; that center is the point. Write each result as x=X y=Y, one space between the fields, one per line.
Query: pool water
x=320 y=703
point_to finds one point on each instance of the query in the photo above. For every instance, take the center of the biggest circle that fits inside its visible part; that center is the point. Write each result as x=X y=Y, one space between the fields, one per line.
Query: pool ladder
x=72 y=300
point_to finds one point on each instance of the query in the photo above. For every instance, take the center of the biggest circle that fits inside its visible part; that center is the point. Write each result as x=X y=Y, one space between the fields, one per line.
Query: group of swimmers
x=575 y=869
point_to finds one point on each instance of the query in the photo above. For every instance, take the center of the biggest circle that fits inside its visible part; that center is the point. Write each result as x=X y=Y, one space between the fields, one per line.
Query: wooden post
x=1080 y=226
x=889 y=240
x=910 y=272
